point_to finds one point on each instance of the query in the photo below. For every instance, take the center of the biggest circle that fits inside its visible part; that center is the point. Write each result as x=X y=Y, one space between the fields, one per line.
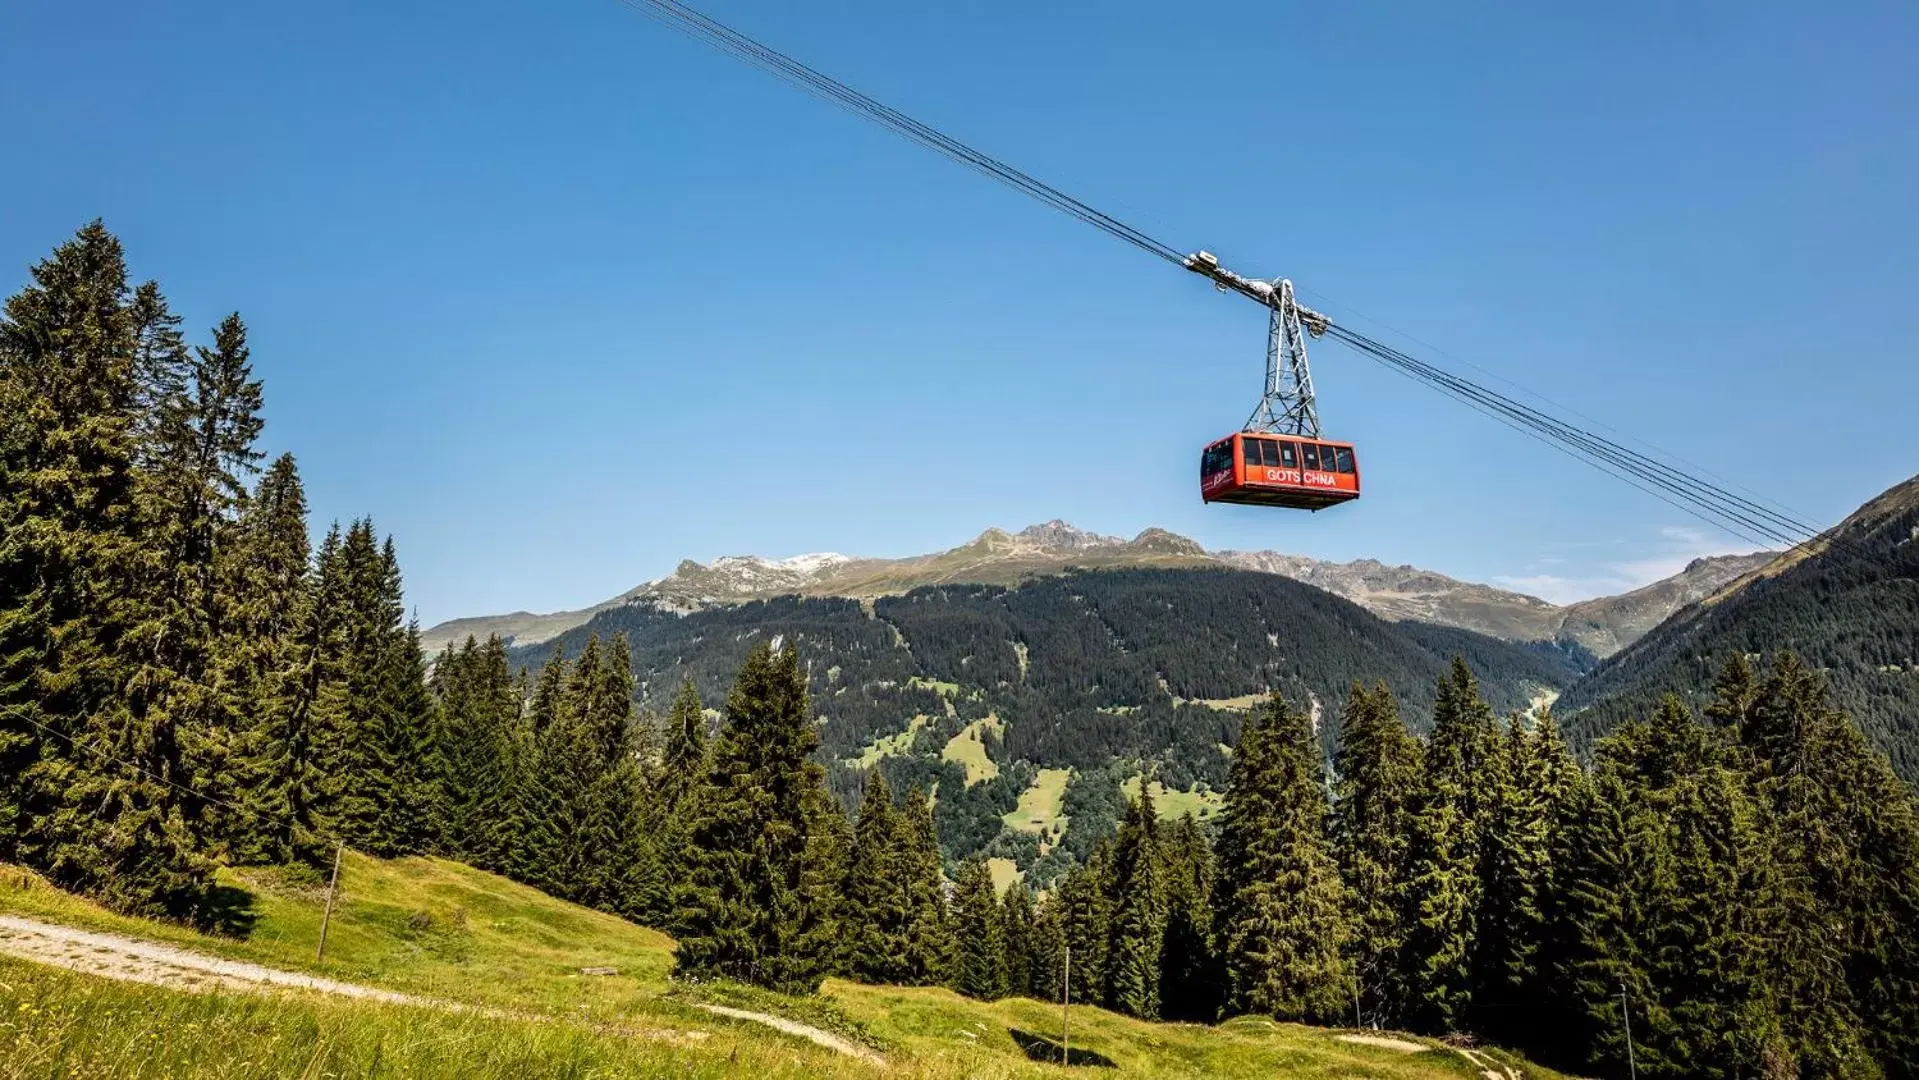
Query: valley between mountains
x=1032 y=680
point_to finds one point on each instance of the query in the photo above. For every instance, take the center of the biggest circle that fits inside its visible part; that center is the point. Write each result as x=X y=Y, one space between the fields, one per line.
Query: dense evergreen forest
x=184 y=683
x=1849 y=608
x=1105 y=673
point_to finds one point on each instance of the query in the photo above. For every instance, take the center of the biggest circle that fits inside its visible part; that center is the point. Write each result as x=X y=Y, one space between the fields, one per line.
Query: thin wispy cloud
x=1666 y=552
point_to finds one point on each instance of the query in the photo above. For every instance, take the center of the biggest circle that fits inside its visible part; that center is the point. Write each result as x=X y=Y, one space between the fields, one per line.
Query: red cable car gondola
x=1279 y=458
x=1279 y=470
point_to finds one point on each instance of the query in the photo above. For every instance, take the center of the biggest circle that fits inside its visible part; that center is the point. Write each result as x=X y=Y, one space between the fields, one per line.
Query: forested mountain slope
x=997 y=557
x=1097 y=672
x=1847 y=604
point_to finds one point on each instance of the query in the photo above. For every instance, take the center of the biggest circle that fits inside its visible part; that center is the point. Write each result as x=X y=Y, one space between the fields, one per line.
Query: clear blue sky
x=561 y=297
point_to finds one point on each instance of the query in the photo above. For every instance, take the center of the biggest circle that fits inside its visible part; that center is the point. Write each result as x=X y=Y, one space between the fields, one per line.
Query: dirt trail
x=112 y=956
x=805 y=1031
x=131 y=960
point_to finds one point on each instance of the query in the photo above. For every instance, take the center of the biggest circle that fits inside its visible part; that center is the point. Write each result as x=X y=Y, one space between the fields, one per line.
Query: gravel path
x=131 y=960
x=128 y=959
x=805 y=1031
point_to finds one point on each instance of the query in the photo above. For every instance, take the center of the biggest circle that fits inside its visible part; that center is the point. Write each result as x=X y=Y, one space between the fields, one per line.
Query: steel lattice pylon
x=1287 y=407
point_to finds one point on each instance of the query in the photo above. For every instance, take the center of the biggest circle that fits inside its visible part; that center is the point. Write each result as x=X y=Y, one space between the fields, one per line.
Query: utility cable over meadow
x=1288 y=406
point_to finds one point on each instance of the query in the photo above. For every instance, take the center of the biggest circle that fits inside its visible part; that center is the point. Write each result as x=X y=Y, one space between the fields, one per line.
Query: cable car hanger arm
x=1206 y=265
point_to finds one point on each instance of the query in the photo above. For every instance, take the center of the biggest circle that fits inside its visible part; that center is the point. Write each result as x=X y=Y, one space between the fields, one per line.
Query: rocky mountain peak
x=1057 y=535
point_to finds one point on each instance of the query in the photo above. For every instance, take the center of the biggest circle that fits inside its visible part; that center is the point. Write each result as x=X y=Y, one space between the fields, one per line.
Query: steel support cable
x=1709 y=496
x=1685 y=508
x=705 y=28
x=1599 y=456
x=1714 y=491
x=1726 y=509
x=1549 y=406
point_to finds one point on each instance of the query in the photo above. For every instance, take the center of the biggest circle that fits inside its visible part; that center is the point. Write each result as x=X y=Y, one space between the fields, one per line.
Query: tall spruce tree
x=562 y=791
x=744 y=911
x=979 y=943
x=1842 y=832
x=1139 y=911
x=197 y=463
x=1282 y=920
x=1049 y=948
x=682 y=747
x=1673 y=924
x=1515 y=881
x=1445 y=876
x=928 y=938
x=91 y=751
x=1378 y=765
x=479 y=716
x=268 y=584
x=1189 y=979
x=1613 y=848
x=1016 y=932
x=1085 y=912
x=878 y=908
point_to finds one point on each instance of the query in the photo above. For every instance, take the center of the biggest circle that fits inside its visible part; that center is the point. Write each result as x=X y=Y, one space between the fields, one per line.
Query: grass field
x=1039 y=805
x=1004 y=871
x=968 y=749
x=889 y=745
x=444 y=931
x=1173 y=805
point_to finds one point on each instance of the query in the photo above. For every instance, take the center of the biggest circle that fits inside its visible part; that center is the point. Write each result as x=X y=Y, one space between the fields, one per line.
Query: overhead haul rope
x=1700 y=498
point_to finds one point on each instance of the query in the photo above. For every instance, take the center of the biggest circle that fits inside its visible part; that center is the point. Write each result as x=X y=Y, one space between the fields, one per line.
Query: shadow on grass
x=227 y=911
x=1041 y=1048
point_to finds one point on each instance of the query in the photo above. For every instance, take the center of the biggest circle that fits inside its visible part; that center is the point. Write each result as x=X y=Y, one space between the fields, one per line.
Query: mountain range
x=997 y=557
x=1847 y=604
x=1029 y=677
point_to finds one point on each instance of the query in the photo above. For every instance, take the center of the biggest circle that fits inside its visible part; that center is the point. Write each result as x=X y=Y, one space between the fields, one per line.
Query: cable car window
x=1345 y=459
x=1270 y=450
x=1312 y=455
x=1255 y=452
x=1219 y=458
x=1289 y=455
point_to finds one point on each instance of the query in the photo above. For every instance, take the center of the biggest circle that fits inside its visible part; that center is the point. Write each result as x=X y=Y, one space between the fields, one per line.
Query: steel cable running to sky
x=1700 y=498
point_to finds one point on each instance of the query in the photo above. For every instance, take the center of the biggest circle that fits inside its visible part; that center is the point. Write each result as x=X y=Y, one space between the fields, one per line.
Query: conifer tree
x=979 y=944
x=1842 y=832
x=266 y=580
x=1282 y=924
x=1378 y=764
x=1139 y=911
x=1445 y=875
x=1189 y=978
x=1049 y=948
x=562 y=794
x=79 y=619
x=1017 y=933
x=1085 y=911
x=1612 y=849
x=744 y=912
x=478 y=714
x=824 y=860
x=1516 y=880
x=305 y=761
x=545 y=705
x=1674 y=924
x=683 y=747
x=878 y=914
x=927 y=935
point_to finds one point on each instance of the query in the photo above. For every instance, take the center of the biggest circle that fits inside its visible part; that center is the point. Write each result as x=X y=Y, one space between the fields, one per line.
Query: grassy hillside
x=444 y=931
